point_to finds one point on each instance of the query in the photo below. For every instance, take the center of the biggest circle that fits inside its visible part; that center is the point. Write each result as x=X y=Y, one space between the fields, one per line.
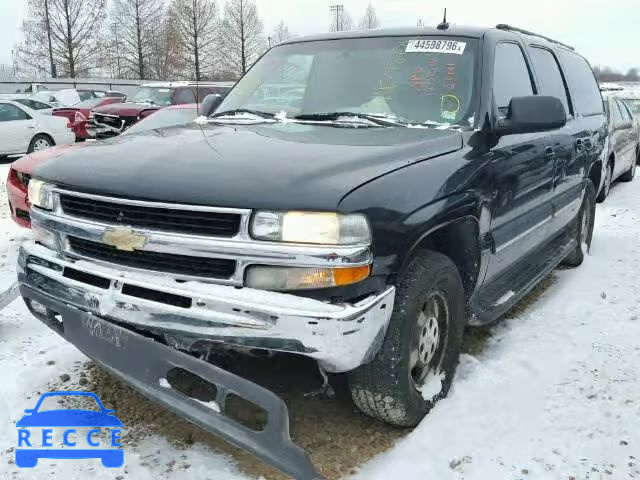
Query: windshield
x=153 y=95
x=164 y=118
x=424 y=80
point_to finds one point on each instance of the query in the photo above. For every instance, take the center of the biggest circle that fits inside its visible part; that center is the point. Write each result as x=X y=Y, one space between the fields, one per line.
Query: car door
x=16 y=129
x=522 y=173
x=560 y=145
x=620 y=129
x=628 y=137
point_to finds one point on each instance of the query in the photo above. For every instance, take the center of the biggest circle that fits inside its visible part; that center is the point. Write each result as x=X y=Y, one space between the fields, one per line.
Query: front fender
x=404 y=206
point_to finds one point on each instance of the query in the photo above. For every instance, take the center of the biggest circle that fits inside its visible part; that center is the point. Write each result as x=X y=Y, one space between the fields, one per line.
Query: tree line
x=150 y=39
x=607 y=74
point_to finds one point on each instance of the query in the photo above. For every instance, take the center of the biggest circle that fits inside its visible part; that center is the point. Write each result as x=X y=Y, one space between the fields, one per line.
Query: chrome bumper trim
x=340 y=337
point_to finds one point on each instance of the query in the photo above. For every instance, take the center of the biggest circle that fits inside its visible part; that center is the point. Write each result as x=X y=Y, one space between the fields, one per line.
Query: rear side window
x=184 y=95
x=548 y=74
x=626 y=114
x=510 y=75
x=586 y=94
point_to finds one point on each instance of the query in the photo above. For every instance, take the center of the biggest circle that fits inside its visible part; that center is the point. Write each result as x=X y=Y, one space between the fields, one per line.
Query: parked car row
x=21 y=170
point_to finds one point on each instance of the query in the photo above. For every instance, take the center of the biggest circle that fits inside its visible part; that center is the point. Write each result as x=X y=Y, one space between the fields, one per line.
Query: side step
x=499 y=297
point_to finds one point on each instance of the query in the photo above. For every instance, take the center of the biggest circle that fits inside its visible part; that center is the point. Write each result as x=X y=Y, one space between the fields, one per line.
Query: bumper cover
x=340 y=337
x=144 y=364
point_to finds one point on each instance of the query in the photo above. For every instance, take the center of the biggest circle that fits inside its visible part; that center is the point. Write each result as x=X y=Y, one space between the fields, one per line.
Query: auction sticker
x=435 y=46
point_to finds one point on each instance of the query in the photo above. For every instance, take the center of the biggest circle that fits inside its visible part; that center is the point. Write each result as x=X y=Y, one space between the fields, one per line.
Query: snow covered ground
x=552 y=393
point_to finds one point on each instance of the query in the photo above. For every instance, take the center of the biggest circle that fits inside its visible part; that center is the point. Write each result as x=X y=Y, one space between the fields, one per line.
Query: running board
x=502 y=295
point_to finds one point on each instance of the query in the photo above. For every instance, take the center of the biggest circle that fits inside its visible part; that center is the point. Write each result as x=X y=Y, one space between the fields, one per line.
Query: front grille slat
x=205 y=267
x=208 y=223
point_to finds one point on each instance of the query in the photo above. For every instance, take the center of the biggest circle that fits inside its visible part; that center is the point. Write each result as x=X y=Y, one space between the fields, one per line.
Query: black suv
x=357 y=198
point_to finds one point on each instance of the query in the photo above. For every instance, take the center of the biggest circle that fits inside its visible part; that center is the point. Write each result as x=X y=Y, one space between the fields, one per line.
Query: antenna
x=444 y=25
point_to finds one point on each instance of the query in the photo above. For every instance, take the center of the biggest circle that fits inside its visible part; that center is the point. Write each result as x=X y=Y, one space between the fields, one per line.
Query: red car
x=78 y=114
x=20 y=171
x=112 y=120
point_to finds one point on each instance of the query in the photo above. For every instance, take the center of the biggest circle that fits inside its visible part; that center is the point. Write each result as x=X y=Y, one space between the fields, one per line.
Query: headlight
x=23 y=178
x=311 y=227
x=40 y=194
x=298 y=278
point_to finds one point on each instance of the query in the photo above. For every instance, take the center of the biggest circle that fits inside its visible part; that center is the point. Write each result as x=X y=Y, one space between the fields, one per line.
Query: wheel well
x=595 y=174
x=42 y=134
x=460 y=242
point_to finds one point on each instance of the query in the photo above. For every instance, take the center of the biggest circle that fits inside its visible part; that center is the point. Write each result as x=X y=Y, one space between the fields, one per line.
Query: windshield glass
x=416 y=79
x=164 y=118
x=153 y=95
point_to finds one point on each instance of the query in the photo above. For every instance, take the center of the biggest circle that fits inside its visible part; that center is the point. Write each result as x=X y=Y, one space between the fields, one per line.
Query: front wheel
x=417 y=361
x=583 y=227
x=39 y=142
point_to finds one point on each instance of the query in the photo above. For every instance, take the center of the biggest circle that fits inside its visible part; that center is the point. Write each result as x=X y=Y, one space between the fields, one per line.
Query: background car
x=20 y=171
x=624 y=144
x=41 y=107
x=23 y=130
x=78 y=114
x=111 y=120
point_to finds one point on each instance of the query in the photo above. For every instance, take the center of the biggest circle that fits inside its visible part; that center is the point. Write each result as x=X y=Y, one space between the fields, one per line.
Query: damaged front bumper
x=96 y=307
x=199 y=316
x=145 y=365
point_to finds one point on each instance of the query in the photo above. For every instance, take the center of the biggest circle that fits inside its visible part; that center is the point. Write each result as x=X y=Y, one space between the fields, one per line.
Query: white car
x=23 y=130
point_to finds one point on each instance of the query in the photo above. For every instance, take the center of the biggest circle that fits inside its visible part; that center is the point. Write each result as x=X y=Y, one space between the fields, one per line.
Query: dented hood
x=274 y=166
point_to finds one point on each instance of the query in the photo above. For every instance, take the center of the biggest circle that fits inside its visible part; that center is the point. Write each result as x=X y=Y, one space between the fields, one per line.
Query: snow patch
x=164 y=383
x=202 y=120
x=211 y=404
x=432 y=386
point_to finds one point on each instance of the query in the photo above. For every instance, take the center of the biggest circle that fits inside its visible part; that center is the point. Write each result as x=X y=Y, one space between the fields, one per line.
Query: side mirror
x=210 y=103
x=535 y=113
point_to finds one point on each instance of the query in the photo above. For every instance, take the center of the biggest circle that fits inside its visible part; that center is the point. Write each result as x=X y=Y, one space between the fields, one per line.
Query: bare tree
x=279 y=34
x=197 y=24
x=134 y=22
x=62 y=37
x=241 y=36
x=370 y=18
x=165 y=60
x=341 y=20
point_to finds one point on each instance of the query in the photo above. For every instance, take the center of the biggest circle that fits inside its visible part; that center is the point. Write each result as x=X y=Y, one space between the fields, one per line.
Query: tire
x=40 y=142
x=387 y=387
x=583 y=227
x=606 y=187
x=629 y=175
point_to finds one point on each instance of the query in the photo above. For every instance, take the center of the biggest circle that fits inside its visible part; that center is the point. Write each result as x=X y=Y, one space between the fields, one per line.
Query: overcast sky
x=606 y=32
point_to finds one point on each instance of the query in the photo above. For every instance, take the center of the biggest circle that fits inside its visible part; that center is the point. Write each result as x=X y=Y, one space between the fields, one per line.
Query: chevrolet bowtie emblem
x=124 y=239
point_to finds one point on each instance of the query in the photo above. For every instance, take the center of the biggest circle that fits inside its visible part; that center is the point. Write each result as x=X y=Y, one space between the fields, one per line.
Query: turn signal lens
x=302 y=278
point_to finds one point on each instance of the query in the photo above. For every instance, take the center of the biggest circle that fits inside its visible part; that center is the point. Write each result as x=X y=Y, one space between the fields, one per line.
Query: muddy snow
x=550 y=392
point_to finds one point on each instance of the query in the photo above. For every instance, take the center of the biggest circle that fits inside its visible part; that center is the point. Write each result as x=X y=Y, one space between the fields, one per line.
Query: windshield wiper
x=342 y=117
x=240 y=111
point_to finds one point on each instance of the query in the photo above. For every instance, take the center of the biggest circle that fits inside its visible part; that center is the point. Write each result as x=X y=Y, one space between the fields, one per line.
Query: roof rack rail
x=504 y=26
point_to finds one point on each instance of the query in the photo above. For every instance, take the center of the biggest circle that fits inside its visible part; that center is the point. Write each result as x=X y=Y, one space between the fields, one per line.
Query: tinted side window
x=586 y=94
x=10 y=113
x=548 y=74
x=626 y=115
x=510 y=75
x=184 y=95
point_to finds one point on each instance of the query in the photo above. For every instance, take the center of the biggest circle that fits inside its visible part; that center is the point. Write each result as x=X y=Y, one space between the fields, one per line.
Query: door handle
x=31 y=126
